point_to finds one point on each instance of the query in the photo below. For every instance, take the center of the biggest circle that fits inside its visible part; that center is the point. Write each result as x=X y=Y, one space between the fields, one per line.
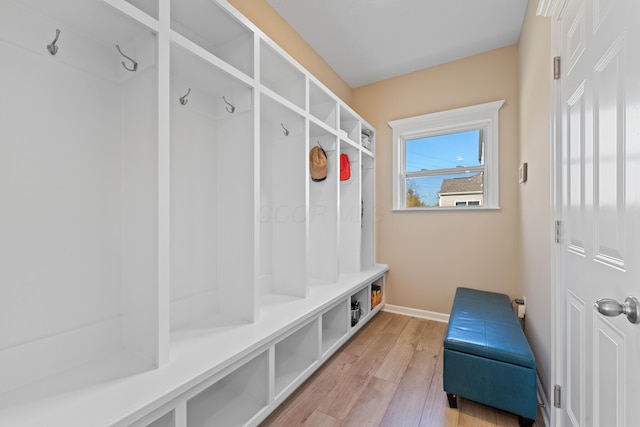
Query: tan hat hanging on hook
x=318 y=163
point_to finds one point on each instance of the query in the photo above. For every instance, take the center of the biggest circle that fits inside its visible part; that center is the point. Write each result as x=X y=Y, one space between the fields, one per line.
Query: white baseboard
x=414 y=312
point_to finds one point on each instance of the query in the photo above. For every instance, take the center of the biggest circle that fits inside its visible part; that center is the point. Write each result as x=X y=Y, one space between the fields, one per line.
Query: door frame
x=551 y=9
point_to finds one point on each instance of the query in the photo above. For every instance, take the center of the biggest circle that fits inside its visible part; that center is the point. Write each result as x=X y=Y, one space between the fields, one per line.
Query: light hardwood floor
x=388 y=374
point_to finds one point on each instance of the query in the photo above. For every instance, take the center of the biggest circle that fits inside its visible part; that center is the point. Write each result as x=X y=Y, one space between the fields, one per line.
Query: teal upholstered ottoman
x=487 y=358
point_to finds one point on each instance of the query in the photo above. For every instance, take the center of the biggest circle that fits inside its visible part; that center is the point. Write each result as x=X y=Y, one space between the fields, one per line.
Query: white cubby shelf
x=165 y=258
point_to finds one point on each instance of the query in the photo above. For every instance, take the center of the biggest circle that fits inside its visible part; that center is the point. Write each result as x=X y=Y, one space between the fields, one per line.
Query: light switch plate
x=522 y=173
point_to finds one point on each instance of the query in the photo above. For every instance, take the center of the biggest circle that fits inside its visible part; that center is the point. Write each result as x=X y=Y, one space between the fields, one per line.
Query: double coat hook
x=135 y=64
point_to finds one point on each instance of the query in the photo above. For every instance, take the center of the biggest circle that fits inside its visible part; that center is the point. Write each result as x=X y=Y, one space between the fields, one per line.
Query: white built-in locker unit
x=165 y=258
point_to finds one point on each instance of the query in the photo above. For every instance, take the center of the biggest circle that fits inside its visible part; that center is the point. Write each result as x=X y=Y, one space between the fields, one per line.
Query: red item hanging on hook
x=345 y=167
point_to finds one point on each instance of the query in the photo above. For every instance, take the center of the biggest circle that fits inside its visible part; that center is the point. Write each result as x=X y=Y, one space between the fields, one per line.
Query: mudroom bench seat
x=487 y=358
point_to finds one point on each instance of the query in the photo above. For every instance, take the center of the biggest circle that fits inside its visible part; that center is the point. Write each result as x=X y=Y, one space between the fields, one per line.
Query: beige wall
x=426 y=263
x=269 y=22
x=535 y=194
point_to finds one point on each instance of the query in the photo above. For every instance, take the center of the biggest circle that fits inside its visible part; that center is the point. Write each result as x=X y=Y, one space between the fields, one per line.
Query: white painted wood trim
x=414 y=312
x=485 y=116
x=544 y=402
x=547 y=7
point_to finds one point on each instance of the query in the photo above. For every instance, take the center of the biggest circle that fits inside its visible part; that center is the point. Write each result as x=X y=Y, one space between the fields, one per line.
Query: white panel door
x=598 y=170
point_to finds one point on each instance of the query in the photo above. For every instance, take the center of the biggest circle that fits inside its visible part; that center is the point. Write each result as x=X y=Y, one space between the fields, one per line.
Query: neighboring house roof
x=466 y=185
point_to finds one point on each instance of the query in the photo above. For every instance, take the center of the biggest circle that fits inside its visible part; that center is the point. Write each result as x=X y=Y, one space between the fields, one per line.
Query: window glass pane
x=444 y=151
x=445 y=190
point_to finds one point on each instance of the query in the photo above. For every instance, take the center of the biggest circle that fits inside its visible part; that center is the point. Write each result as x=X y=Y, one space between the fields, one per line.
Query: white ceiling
x=366 y=41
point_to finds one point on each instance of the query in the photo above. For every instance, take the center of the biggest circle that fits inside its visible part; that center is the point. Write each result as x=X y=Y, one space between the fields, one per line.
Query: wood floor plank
x=432 y=337
x=320 y=419
x=297 y=409
x=395 y=363
x=341 y=361
x=362 y=340
x=344 y=395
x=473 y=414
x=406 y=406
x=380 y=345
x=371 y=405
x=436 y=411
x=505 y=419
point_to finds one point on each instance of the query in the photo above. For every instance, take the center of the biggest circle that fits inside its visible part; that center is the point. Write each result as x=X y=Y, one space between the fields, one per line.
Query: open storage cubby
x=295 y=354
x=349 y=125
x=150 y=7
x=323 y=212
x=334 y=326
x=234 y=399
x=282 y=217
x=368 y=138
x=322 y=106
x=166 y=259
x=278 y=74
x=350 y=212
x=209 y=26
x=367 y=254
x=211 y=145
x=79 y=192
x=363 y=297
x=167 y=420
x=377 y=293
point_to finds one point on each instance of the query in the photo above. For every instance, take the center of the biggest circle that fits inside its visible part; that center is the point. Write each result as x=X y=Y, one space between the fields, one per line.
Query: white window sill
x=448 y=209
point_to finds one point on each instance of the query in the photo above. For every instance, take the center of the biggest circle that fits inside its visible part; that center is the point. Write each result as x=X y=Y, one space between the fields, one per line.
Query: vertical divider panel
x=180 y=414
x=272 y=373
x=164 y=170
x=257 y=174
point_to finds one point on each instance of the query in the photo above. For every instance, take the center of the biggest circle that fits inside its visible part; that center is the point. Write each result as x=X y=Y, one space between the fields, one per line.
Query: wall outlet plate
x=521 y=311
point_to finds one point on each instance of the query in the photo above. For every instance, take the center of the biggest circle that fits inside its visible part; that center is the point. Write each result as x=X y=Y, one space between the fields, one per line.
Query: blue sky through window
x=455 y=150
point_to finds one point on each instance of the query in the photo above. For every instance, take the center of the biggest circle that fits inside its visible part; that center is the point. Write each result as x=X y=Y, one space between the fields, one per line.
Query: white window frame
x=481 y=116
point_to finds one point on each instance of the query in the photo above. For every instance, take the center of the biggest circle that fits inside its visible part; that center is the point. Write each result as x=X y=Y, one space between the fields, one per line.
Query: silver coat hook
x=284 y=130
x=183 y=99
x=52 y=48
x=135 y=64
x=231 y=108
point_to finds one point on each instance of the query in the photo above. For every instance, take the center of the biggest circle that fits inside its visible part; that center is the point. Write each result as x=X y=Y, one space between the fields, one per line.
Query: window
x=447 y=159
